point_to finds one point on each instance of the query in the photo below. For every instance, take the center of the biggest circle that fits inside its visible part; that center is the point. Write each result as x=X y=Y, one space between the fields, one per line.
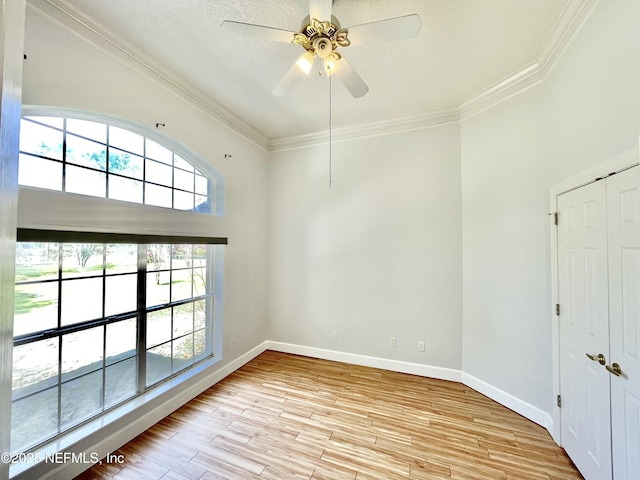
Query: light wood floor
x=289 y=417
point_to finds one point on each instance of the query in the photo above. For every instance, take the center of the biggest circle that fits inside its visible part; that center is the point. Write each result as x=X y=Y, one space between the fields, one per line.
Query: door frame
x=616 y=164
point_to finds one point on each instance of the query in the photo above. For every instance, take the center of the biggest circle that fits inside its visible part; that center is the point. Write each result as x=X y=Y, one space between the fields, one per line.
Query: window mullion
x=171 y=343
x=142 y=317
x=106 y=165
x=104 y=327
x=144 y=172
x=64 y=155
x=173 y=183
x=59 y=387
x=59 y=384
x=210 y=287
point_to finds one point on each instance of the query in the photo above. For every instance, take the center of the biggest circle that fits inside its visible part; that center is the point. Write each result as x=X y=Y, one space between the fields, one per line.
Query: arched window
x=102 y=159
x=105 y=317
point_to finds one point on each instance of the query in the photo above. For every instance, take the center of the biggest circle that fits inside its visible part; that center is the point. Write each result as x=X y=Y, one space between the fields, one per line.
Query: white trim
x=440 y=373
x=615 y=164
x=127 y=431
x=521 y=407
x=502 y=90
x=573 y=17
x=555 y=343
x=612 y=165
x=375 y=128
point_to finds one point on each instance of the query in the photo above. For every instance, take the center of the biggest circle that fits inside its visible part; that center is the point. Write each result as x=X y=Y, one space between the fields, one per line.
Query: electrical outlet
x=420 y=346
x=393 y=342
x=334 y=335
x=233 y=342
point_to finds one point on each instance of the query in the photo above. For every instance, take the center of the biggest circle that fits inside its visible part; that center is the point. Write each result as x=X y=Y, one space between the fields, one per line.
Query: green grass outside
x=25 y=302
x=25 y=273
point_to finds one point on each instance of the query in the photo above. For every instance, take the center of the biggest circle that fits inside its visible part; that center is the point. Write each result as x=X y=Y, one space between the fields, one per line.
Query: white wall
x=586 y=111
x=375 y=256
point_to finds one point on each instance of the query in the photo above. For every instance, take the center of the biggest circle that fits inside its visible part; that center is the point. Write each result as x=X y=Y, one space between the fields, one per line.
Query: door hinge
x=559 y=401
x=558 y=309
x=555 y=218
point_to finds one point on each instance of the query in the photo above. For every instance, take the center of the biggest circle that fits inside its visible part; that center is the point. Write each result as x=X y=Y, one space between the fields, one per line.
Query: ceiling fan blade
x=350 y=78
x=398 y=28
x=290 y=78
x=320 y=9
x=257 y=31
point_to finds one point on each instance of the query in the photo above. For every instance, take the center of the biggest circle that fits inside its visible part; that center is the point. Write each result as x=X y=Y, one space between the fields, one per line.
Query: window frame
x=216 y=182
x=44 y=209
x=142 y=310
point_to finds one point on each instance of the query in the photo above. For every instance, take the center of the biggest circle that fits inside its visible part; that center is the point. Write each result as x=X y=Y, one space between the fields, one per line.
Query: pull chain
x=330 y=122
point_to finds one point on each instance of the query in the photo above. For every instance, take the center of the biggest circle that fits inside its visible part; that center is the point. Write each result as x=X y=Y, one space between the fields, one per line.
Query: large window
x=95 y=158
x=99 y=319
x=105 y=321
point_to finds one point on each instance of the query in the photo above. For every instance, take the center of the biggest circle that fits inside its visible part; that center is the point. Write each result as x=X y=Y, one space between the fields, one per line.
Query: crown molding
x=515 y=83
x=78 y=24
x=386 y=126
x=574 y=15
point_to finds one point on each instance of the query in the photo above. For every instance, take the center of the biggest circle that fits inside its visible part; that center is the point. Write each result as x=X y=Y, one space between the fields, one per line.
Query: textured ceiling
x=464 y=47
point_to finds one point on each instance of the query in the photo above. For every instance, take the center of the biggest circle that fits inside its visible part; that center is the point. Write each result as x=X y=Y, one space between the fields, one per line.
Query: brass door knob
x=615 y=369
x=597 y=358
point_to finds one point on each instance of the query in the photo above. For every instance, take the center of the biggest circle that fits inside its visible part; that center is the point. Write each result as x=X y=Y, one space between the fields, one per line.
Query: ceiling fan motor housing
x=322 y=46
x=321 y=38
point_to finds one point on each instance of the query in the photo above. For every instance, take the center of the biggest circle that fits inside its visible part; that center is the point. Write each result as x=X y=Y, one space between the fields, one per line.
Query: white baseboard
x=521 y=407
x=440 y=373
x=111 y=442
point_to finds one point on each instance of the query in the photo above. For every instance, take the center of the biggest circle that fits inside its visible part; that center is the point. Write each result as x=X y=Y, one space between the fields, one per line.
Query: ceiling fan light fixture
x=331 y=63
x=305 y=62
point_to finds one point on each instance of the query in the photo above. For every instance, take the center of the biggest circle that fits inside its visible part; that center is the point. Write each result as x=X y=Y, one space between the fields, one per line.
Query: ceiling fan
x=321 y=36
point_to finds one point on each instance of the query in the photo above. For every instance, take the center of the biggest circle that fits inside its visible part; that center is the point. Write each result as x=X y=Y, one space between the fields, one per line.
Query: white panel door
x=623 y=204
x=584 y=329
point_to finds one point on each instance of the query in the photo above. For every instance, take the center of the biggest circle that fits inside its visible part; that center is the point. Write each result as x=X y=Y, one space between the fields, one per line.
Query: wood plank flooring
x=286 y=417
